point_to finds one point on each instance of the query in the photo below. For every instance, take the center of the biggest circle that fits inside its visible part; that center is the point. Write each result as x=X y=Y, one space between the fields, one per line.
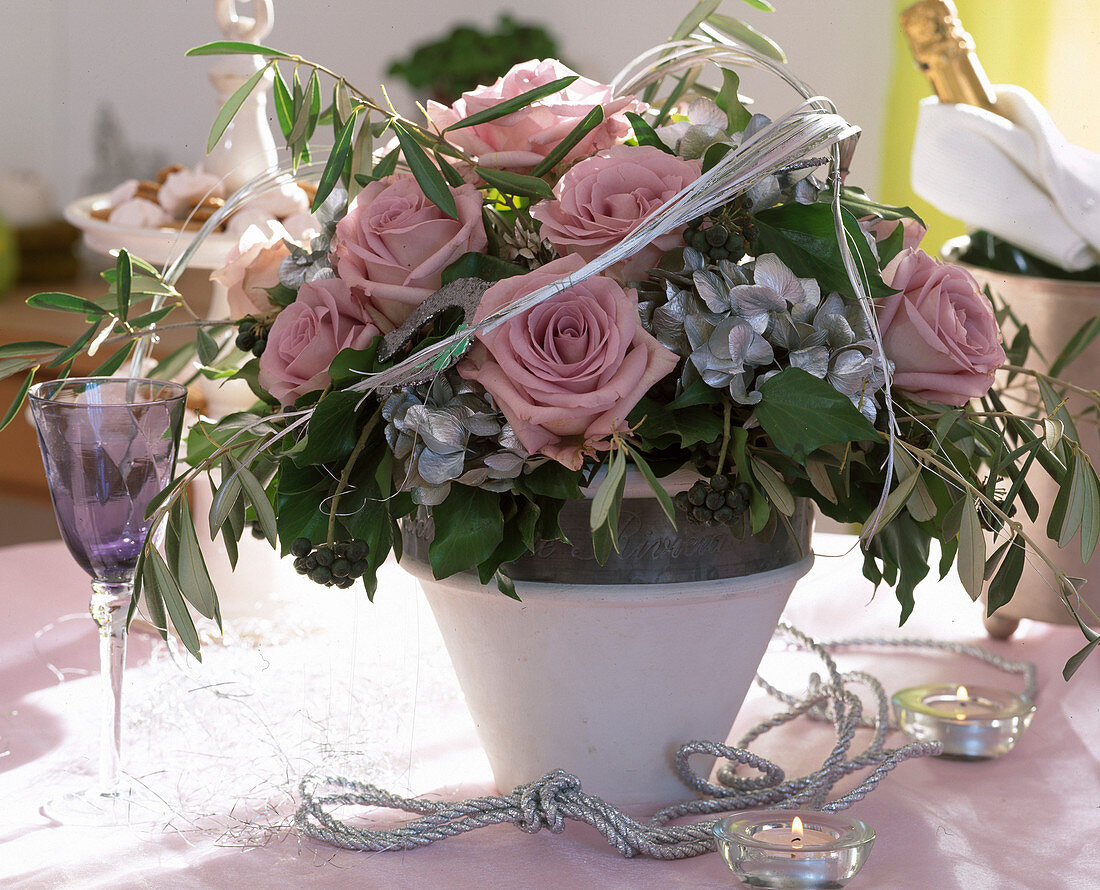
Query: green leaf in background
x=804 y=237
x=1007 y=579
x=746 y=34
x=698 y=14
x=971 y=558
x=206 y=346
x=13 y=409
x=124 y=272
x=77 y=345
x=506 y=107
x=257 y=497
x=236 y=47
x=1076 y=345
x=160 y=579
x=762 y=5
x=859 y=205
x=334 y=168
x=645 y=134
x=517 y=184
x=588 y=123
x=65 y=303
x=27 y=348
x=453 y=177
x=658 y=490
x=427 y=175
x=232 y=106
x=801 y=413
x=551 y=480
x=191 y=571
x=284 y=104
x=114 y=362
x=737 y=115
x=468 y=528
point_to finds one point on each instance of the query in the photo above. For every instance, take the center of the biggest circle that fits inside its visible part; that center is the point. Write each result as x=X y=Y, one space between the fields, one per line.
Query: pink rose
x=308 y=335
x=394 y=244
x=520 y=140
x=603 y=198
x=252 y=267
x=939 y=331
x=881 y=229
x=568 y=371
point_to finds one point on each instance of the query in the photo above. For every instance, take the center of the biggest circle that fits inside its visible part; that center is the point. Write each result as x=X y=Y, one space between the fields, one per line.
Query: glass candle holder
x=975 y=723
x=793 y=849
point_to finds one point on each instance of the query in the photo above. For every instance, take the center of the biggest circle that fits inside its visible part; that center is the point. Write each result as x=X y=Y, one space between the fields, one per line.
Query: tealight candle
x=975 y=723
x=793 y=849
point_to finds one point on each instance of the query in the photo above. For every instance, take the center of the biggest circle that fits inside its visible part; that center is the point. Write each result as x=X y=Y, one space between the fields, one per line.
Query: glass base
x=131 y=805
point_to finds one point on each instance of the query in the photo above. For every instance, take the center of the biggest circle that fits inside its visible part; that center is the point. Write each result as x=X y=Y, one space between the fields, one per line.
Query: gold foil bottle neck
x=944 y=51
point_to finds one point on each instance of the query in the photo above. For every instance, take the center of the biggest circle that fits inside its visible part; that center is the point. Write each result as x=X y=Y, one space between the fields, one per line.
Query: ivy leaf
x=332 y=429
x=737 y=115
x=232 y=106
x=801 y=413
x=469 y=526
x=501 y=109
x=427 y=175
x=804 y=238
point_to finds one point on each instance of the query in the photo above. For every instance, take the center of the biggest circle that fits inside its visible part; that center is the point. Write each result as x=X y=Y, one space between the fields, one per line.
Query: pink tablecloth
x=367 y=689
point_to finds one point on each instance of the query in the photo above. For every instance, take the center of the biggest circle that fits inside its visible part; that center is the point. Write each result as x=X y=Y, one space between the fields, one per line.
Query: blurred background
x=96 y=91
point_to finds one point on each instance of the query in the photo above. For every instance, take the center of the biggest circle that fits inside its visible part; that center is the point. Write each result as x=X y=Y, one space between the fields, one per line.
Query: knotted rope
x=557 y=797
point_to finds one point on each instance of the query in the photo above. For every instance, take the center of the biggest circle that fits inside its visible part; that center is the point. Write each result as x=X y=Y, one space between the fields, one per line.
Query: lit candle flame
x=963 y=699
x=796 y=827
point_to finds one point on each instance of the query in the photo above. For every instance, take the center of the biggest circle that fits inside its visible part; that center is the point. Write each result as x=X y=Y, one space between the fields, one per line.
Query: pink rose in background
x=568 y=371
x=520 y=140
x=251 y=268
x=602 y=199
x=308 y=334
x=881 y=229
x=939 y=331
x=394 y=244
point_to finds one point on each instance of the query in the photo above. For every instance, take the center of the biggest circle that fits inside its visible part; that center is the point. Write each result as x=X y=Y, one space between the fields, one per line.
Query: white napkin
x=1015 y=176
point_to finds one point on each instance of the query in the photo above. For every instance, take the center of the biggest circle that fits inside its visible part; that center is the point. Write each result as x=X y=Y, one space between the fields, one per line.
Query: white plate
x=157 y=246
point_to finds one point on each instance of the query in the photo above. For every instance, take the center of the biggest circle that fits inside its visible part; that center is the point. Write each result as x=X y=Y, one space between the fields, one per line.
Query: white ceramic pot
x=606 y=681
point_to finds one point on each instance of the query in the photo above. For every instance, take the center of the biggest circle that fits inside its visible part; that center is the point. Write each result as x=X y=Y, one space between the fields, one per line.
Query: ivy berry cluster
x=331 y=565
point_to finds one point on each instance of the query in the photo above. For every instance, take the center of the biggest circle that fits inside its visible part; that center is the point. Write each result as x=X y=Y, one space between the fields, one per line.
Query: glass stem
x=107 y=599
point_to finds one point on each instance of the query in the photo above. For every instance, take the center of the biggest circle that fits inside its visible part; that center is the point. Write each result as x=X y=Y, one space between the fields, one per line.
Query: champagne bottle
x=944 y=51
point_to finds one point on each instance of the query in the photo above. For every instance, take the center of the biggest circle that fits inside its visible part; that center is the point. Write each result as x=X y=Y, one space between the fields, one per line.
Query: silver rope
x=557 y=796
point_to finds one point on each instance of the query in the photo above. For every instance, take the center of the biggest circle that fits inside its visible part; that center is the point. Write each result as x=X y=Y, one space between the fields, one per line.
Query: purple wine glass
x=109 y=447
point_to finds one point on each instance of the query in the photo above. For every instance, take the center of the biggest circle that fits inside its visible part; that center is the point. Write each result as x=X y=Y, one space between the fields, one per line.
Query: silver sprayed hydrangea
x=445 y=432
x=314 y=263
x=740 y=325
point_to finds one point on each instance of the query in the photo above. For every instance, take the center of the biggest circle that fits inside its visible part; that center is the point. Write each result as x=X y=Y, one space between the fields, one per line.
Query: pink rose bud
x=600 y=200
x=567 y=372
x=881 y=229
x=394 y=244
x=520 y=140
x=252 y=268
x=308 y=334
x=939 y=331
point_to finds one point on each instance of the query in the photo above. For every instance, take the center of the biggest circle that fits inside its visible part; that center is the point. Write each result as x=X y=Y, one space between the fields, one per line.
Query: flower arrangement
x=552 y=278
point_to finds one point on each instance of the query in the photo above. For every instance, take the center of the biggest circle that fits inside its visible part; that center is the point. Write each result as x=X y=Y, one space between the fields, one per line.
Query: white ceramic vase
x=606 y=681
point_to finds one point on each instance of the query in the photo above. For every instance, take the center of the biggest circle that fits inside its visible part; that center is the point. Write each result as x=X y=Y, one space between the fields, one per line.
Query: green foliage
x=468 y=56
